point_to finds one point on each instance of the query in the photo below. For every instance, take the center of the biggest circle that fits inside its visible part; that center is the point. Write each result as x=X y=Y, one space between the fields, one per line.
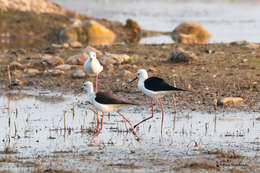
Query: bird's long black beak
x=133 y=80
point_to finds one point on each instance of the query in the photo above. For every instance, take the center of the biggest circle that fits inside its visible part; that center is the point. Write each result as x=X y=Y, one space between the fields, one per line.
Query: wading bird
x=105 y=102
x=155 y=88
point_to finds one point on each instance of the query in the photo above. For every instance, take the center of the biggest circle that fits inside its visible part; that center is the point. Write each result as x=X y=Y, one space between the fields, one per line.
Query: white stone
x=109 y=58
x=63 y=67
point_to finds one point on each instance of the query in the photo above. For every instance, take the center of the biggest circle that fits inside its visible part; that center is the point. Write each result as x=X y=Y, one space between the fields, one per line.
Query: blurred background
x=226 y=20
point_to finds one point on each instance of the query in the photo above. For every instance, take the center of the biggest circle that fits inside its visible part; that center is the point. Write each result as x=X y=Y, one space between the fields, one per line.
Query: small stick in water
x=215 y=103
x=64 y=115
x=174 y=98
x=9 y=113
x=16 y=113
x=174 y=103
x=206 y=128
x=174 y=122
x=97 y=119
x=215 y=123
x=9 y=76
x=125 y=125
x=15 y=129
x=73 y=111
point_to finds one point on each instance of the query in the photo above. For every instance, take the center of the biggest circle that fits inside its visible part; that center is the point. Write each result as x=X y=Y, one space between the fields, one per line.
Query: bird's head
x=88 y=86
x=92 y=55
x=141 y=75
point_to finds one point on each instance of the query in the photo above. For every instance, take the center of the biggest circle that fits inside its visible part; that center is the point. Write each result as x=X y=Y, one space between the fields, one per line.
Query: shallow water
x=226 y=20
x=37 y=128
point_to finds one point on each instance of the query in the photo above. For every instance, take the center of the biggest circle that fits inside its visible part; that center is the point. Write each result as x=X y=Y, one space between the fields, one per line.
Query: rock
x=66 y=45
x=37 y=6
x=16 y=66
x=17 y=82
x=246 y=44
x=57 y=72
x=133 y=25
x=75 y=44
x=89 y=48
x=54 y=72
x=180 y=55
x=79 y=73
x=52 y=60
x=189 y=32
x=32 y=71
x=110 y=58
x=78 y=59
x=17 y=73
x=235 y=101
x=126 y=73
x=91 y=31
x=57 y=45
x=63 y=67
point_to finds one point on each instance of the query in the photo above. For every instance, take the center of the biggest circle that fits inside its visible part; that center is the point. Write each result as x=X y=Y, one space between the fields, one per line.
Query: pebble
x=16 y=66
x=52 y=60
x=229 y=101
x=79 y=73
x=63 y=67
x=32 y=71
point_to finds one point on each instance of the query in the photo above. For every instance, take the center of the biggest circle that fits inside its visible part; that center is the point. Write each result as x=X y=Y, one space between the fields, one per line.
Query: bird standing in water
x=155 y=88
x=105 y=102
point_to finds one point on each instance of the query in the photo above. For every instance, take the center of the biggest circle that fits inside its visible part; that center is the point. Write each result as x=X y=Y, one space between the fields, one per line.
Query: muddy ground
x=228 y=70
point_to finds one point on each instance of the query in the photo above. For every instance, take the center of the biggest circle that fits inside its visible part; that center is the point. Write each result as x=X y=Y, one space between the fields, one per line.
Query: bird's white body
x=150 y=93
x=92 y=66
x=106 y=107
x=142 y=76
x=101 y=107
x=91 y=95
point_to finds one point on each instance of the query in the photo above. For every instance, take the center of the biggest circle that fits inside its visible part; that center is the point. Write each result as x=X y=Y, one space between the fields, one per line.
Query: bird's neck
x=141 y=80
x=140 y=83
x=91 y=96
x=90 y=90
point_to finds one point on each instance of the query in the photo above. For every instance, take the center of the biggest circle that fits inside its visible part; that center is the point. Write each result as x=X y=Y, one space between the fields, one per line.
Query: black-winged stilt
x=155 y=88
x=93 y=67
x=105 y=102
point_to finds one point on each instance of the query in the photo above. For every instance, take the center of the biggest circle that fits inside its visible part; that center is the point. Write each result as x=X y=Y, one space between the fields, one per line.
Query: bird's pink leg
x=96 y=82
x=99 y=130
x=146 y=118
x=91 y=79
x=162 y=116
x=129 y=122
x=146 y=99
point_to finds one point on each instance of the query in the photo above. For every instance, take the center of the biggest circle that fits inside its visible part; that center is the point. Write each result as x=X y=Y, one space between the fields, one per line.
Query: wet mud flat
x=46 y=131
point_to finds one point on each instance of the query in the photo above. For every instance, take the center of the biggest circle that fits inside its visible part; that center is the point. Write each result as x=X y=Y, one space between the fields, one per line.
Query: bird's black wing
x=108 y=98
x=158 y=84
